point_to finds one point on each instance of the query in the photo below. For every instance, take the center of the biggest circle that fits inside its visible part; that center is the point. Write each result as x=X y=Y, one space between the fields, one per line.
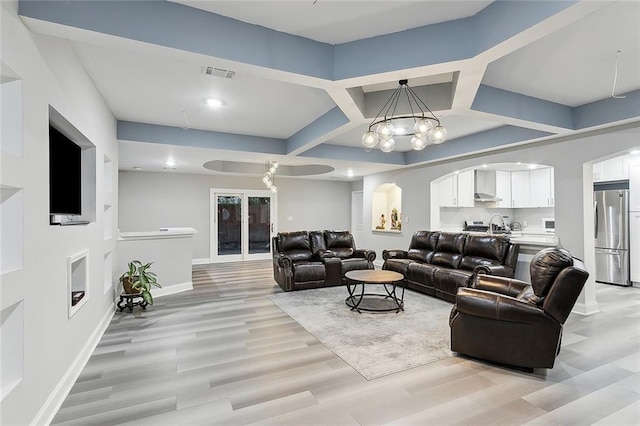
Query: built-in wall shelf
x=108 y=266
x=108 y=222
x=12 y=228
x=11 y=117
x=77 y=281
x=11 y=347
x=108 y=175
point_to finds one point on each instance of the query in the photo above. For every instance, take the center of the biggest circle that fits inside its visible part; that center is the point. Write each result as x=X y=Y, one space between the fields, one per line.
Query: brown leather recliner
x=509 y=321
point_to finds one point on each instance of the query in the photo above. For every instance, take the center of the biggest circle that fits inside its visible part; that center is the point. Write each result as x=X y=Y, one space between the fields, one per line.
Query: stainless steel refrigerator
x=611 y=210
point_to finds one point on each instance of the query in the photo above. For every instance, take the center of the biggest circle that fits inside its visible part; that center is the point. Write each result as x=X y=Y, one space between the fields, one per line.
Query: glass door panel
x=241 y=225
x=259 y=225
x=229 y=220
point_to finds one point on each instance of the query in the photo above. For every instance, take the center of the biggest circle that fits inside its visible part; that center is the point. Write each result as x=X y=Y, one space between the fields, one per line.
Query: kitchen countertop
x=532 y=238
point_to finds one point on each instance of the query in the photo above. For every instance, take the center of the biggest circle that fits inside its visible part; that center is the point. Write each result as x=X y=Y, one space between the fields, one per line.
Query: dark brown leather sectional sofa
x=312 y=259
x=438 y=263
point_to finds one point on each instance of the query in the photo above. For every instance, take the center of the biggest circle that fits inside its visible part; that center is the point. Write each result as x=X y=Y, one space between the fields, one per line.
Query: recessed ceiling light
x=214 y=103
x=484 y=165
x=532 y=166
x=519 y=163
x=634 y=152
x=350 y=173
x=170 y=163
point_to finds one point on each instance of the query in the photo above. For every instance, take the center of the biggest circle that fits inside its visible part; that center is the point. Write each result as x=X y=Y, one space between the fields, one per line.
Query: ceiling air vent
x=217 y=72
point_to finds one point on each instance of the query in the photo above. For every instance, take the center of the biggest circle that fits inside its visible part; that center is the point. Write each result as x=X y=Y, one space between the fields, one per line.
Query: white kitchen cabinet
x=457 y=190
x=634 y=185
x=448 y=191
x=503 y=188
x=541 y=187
x=520 y=189
x=634 y=249
x=466 y=184
x=612 y=169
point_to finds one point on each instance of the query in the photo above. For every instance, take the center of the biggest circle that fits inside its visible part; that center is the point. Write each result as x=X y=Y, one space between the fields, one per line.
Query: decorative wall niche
x=386 y=208
x=11 y=347
x=78 y=281
x=108 y=266
x=11 y=228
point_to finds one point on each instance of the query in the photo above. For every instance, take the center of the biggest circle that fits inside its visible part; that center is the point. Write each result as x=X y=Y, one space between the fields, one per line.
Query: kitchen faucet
x=503 y=225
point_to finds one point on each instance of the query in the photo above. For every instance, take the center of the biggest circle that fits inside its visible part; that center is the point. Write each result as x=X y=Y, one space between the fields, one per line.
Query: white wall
x=55 y=346
x=571 y=194
x=149 y=201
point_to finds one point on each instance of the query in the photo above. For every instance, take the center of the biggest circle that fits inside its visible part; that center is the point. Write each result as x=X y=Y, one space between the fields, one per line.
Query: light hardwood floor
x=224 y=354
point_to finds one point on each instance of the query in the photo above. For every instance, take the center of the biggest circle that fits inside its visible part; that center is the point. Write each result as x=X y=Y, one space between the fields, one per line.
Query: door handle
x=272 y=227
x=595 y=219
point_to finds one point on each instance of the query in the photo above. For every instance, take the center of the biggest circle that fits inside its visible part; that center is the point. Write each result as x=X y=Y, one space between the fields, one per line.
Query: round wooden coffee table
x=388 y=279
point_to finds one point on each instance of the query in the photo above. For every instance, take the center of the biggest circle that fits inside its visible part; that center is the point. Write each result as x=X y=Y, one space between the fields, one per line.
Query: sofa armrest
x=485 y=304
x=501 y=285
x=370 y=255
x=394 y=254
x=499 y=270
x=282 y=260
x=324 y=254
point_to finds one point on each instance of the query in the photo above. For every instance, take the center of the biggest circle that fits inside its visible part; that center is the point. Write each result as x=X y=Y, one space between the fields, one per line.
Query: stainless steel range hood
x=485 y=185
x=484 y=198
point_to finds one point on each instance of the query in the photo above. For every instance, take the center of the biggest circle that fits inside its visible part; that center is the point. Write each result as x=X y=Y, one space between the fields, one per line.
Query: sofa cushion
x=451 y=243
x=447 y=260
x=424 y=240
x=340 y=242
x=397 y=265
x=338 y=239
x=308 y=271
x=421 y=273
x=470 y=262
x=449 y=280
x=295 y=245
x=420 y=255
x=486 y=246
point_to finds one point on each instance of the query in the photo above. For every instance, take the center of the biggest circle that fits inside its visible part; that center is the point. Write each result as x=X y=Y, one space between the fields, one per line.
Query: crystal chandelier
x=268 y=179
x=426 y=126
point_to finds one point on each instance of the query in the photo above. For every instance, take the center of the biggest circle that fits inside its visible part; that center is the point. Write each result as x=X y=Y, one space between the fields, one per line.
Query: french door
x=242 y=223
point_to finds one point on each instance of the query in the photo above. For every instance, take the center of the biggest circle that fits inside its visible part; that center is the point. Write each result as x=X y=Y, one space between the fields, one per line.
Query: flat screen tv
x=65 y=182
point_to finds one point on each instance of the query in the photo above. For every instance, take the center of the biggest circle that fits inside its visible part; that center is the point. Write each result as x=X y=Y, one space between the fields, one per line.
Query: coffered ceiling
x=309 y=76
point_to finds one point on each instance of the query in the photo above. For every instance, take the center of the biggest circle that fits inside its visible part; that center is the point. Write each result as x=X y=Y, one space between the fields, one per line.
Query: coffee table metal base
x=355 y=301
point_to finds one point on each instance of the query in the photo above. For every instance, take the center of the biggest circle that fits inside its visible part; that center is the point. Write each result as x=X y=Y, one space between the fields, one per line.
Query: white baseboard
x=586 y=309
x=203 y=261
x=175 y=288
x=52 y=404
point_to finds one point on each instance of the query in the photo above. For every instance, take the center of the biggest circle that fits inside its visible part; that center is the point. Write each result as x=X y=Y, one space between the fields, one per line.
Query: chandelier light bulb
x=423 y=127
x=385 y=130
x=387 y=145
x=369 y=140
x=265 y=179
x=275 y=165
x=439 y=135
x=418 y=142
x=273 y=189
x=272 y=170
x=269 y=184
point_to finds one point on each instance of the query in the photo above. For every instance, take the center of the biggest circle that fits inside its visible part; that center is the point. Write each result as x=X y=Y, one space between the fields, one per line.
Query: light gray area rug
x=374 y=344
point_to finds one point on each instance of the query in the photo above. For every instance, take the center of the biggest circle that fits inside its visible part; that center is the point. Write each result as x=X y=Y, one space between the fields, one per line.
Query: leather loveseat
x=312 y=259
x=438 y=263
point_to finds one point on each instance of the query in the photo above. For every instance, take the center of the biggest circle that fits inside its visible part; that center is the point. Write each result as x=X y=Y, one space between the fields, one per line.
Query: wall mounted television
x=65 y=176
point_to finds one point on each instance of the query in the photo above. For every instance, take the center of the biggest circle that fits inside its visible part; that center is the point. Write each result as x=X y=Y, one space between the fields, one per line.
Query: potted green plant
x=138 y=279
